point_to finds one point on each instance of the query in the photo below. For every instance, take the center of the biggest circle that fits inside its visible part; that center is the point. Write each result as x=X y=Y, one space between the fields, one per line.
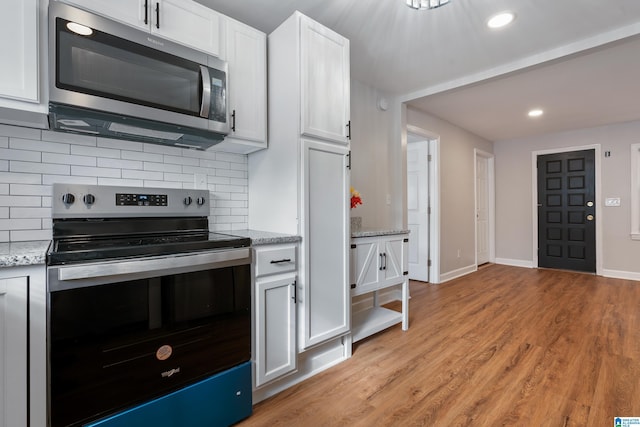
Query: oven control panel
x=128 y=199
x=102 y=201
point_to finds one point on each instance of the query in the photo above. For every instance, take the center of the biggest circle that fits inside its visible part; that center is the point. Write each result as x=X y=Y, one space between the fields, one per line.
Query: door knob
x=589 y=203
x=589 y=217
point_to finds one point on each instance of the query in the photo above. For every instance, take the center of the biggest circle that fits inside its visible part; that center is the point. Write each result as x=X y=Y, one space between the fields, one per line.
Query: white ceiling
x=449 y=64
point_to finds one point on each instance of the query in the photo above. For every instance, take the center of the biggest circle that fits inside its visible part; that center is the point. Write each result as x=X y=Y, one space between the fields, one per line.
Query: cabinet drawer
x=275 y=260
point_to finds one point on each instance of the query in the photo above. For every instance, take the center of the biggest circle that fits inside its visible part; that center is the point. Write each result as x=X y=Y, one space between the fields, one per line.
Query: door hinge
x=349 y=160
x=428 y=263
x=429 y=210
x=429 y=158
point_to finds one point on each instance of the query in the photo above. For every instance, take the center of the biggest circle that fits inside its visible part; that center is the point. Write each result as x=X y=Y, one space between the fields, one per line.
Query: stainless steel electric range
x=148 y=313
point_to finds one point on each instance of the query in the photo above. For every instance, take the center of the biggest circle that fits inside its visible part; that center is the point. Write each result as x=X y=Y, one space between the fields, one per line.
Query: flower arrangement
x=355 y=198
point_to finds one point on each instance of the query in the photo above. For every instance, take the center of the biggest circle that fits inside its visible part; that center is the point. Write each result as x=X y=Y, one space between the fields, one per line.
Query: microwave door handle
x=206 y=91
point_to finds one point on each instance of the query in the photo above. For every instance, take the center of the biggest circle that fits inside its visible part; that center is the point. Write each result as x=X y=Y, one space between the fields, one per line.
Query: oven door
x=123 y=332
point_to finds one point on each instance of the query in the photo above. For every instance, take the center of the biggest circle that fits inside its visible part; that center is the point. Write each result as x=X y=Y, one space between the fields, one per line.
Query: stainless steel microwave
x=109 y=79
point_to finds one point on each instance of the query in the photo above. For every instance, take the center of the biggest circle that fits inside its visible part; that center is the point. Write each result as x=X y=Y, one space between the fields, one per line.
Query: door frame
x=434 y=198
x=491 y=195
x=599 y=209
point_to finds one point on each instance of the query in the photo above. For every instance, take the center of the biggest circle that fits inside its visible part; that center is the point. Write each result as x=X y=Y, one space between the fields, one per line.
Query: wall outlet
x=459 y=253
x=612 y=201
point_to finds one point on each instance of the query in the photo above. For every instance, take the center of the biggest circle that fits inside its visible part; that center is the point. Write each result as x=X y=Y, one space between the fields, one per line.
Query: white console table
x=378 y=261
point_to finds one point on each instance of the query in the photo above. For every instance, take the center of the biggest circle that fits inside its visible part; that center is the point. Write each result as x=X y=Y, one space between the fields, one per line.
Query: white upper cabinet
x=136 y=13
x=246 y=54
x=19 y=50
x=325 y=84
x=182 y=21
x=188 y=23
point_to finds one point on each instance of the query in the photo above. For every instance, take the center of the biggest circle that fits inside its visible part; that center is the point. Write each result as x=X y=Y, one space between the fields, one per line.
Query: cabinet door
x=13 y=349
x=275 y=352
x=325 y=305
x=393 y=258
x=367 y=263
x=136 y=13
x=188 y=23
x=246 y=55
x=325 y=91
x=19 y=50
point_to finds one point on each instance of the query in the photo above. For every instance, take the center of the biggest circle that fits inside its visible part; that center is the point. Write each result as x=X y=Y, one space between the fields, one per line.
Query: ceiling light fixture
x=535 y=112
x=500 y=20
x=426 y=4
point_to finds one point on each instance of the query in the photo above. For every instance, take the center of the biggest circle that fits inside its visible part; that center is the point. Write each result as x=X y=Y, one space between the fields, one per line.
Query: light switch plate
x=612 y=201
x=200 y=181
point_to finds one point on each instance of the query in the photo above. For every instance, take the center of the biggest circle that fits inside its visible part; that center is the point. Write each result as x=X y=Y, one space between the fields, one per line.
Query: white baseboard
x=445 y=277
x=310 y=363
x=619 y=274
x=515 y=262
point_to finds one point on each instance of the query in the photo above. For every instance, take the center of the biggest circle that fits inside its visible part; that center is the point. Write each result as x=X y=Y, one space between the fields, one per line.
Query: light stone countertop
x=13 y=254
x=372 y=232
x=265 y=237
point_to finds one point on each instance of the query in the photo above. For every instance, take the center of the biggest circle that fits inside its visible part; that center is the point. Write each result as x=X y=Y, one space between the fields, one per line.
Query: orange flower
x=355 y=198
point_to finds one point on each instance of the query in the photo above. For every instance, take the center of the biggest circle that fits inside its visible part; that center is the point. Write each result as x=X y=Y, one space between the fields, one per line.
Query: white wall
x=31 y=160
x=457 y=198
x=370 y=166
x=514 y=237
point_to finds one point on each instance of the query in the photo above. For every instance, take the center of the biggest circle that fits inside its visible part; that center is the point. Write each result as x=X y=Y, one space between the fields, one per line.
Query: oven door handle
x=191 y=261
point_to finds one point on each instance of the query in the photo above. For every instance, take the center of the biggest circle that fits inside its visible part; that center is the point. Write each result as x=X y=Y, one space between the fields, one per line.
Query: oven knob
x=68 y=199
x=89 y=199
x=200 y=201
x=188 y=200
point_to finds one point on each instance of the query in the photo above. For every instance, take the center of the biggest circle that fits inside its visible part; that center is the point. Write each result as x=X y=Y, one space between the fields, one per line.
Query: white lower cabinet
x=378 y=263
x=22 y=346
x=275 y=312
x=13 y=348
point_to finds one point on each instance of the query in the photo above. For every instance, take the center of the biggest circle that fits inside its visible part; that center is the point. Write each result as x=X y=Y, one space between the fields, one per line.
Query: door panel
x=417 y=209
x=566 y=211
x=326 y=301
x=482 y=210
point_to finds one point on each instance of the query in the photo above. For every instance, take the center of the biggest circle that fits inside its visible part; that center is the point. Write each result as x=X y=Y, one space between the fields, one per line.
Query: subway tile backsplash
x=31 y=160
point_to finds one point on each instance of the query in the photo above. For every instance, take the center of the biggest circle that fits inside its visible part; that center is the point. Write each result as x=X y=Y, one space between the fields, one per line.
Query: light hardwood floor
x=503 y=346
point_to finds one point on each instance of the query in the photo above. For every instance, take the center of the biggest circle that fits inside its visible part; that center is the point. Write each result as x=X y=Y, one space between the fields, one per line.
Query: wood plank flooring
x=503 y=346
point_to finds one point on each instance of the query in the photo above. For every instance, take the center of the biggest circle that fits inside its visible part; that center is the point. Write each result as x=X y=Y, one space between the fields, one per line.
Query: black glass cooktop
x=91 y=249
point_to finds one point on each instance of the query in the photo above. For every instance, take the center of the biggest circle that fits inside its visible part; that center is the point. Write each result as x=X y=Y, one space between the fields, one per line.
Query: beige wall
x=513 y=159
x=370 y=166
x=457 y=199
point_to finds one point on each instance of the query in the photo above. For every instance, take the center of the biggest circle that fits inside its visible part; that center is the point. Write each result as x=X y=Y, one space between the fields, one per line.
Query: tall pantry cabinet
x=300 y=185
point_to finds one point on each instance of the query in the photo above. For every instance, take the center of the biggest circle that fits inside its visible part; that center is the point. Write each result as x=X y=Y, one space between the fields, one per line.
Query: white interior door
x=482 y=210
x=418 y=205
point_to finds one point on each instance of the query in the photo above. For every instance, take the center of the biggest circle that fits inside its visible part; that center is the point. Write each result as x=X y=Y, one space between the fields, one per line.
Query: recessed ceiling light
x=535 y=112
x=501 y=19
